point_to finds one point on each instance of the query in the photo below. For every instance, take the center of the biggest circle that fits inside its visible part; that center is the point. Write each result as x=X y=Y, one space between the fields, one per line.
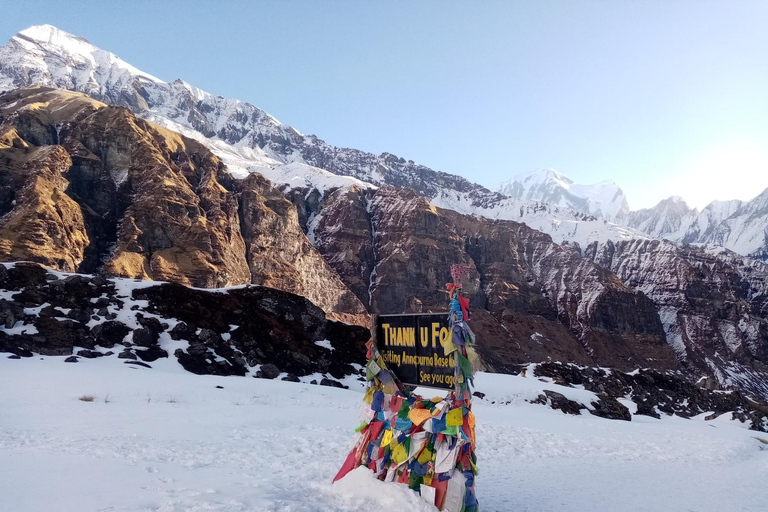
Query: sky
x=662 y=97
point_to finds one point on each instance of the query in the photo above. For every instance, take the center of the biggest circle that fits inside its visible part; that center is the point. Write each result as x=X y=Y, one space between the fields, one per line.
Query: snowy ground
x=165 y=440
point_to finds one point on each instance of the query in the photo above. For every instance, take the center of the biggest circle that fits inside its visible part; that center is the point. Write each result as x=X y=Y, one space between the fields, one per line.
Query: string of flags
x=425 y=443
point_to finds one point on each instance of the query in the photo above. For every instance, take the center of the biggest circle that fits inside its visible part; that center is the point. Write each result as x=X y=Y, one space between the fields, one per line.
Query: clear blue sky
x=663 y=97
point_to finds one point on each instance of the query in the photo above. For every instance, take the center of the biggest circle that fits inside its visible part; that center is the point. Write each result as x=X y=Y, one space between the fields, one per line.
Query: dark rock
x=197 y=349
x=646 y=408
x=291 y=378
x=110 y=333
x=560 y=403
x=143 y=337
x=608 y=407
x=152 y=353
x=478 y=394
x=78 y=315
x=301 y=359
x=126 y=354
x=182 y=331
x=89 y=354
x=268 y=371
x=71 y=359
x=152 y=324
x=332 y=383
x=14 y=356
x=219 y=387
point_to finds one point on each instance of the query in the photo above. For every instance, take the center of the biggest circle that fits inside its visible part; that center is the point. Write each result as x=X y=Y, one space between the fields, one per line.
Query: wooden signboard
x=412 y=347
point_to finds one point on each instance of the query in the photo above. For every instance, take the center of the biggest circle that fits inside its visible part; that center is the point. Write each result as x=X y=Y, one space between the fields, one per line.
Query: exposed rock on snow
x=152 y=320
x=652 y=393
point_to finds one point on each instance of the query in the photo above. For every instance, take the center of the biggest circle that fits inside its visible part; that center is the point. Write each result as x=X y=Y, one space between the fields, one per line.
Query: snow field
x=165 y=440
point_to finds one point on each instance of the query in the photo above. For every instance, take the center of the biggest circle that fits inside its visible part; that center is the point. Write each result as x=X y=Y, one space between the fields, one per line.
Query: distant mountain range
x=160 y=180
x=736 y=225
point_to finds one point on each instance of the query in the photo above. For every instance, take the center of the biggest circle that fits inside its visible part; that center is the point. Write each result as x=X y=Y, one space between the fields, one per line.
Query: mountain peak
x=544 y=174
x=43 y=47
x=604 y=199
x=51 y=36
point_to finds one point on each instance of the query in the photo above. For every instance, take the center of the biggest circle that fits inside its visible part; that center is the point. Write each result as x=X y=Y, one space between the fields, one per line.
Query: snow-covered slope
x=249 y=139
x=166 y=440
x=604 y=199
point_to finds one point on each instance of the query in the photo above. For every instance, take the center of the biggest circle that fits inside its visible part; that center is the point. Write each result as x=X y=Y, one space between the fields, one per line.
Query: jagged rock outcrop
x=221 y=332
x=87 y=187
x=712 y=303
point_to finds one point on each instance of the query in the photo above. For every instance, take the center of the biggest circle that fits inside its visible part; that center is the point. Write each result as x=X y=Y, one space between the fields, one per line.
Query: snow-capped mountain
x=604 y=199
x=741 y=227
x=736 y=225
x=709 y=218
x=745 y=231
x=249 y=139
x=669 y=219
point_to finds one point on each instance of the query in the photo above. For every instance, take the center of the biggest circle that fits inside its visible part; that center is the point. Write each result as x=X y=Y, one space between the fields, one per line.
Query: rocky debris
x=654 y=393
x=14 y=356
x=291 y=378
x=152 y=353
x=227 y=331
x=71 y=359
x=110 y=333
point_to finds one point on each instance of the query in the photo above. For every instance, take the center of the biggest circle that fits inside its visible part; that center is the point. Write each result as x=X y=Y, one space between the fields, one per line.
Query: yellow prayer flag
x=454 y=418
x=399 y=454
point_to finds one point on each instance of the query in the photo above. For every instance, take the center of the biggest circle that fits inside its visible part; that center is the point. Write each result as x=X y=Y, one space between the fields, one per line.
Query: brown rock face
x=86 y=187
x=532 y=299
x=42 y=224
x=280 y=255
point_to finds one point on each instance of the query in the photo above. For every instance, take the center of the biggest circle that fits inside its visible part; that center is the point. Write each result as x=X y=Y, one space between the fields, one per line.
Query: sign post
x=413 y=347
x=426 y=443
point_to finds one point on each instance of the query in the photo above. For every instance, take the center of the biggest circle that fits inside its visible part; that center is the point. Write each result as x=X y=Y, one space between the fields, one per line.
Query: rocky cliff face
x=532 y=299
x=87 y=187
x=712 y=304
